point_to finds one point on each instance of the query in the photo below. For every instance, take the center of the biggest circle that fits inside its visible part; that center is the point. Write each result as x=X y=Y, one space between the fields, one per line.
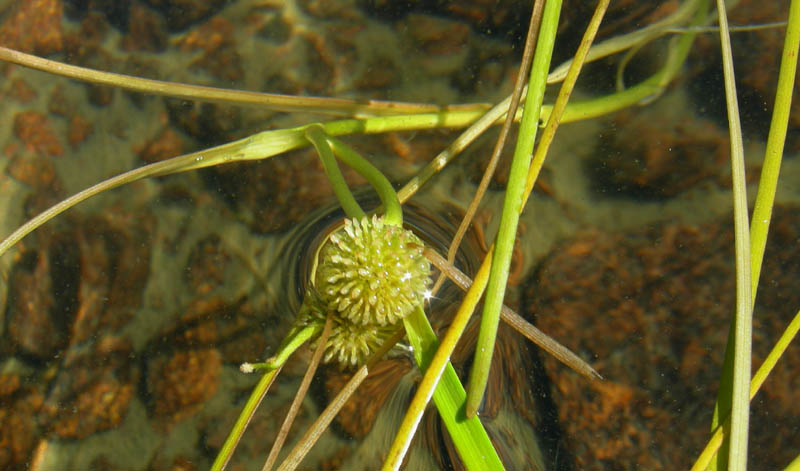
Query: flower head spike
x=371 y=272
x=351 y=344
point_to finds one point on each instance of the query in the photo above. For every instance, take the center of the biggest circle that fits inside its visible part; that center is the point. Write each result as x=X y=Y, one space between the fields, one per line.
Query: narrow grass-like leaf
x=324 y=420
x=413 y=415
x=741 y=324
x=764 y=199
x=488 y=173
x=299 y=396
x=512 y=206
x=770 y=169
x=471 y=441
x=272 y=101
x=704 y=461
x=292 y=343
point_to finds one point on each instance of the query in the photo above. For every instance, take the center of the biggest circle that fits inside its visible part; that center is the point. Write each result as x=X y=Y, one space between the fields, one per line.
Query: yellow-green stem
x=292 y=343
x=405 y=433
x=704 y=461
x=512 y=206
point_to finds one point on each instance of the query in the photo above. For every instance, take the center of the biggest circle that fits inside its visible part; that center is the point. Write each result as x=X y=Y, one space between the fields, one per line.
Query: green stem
x=270 y=143
x=271 y=101
x=316 y=134
x=391 y=205
x=764 y=201
x=512 y=205
x=292 y=343
x=436 y=367
x=770 y=170
x=471 y=440
x=704 y=461
x=794 y=465
x=742 y=322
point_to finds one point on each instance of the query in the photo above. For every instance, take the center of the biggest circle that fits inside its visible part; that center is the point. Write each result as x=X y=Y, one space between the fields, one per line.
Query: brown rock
x=59 y=104
x=147 y=30
x=33 y=129
x=18 y=430
x=9 y=384
x=215 y=39
x=35 y=170
x=79 y=129
x=115 y=265
x=21 y=91
x=358 y=414
x=92 y=55
x=209 y=123
x=166 y=144
x=183 y=13
x=435 y=35
x=650 y=157
x=41 y=300
x=92 y=390
x=210 y=322
x=181 y=383
x=42 y=17
x=650 y=309
x=205 y=269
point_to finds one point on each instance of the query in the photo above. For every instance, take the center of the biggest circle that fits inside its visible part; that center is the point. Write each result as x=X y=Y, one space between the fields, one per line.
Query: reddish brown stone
x=209 y=123
x=92 y=55
x=650 y=309
x=79 y=129
x=166 y=144
x=648 y=156
x=35 y=170
x=336 y=461
x=92 y=390
x=183 y=464
x=59 y=104
x=183 y=13
x=210 y=322
x=115 y=265
x=41 y=300
x=757 y=55
x=321 y=67
x=215 y=39
x=358 y=414
x=21 y=91
x=9 y=384
x=434 y=35
x=181 y=383
x=18 y=430
x=34 y=27
x=147 y=30
x=33 y=129
x=94 y=26
x=205 y=269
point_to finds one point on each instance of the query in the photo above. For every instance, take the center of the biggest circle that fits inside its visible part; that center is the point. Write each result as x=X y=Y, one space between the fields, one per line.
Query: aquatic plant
x=494 y=270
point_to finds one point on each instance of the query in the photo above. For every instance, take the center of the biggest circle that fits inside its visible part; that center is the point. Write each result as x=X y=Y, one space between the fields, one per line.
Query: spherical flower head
x=372 y=273
x=349 y=344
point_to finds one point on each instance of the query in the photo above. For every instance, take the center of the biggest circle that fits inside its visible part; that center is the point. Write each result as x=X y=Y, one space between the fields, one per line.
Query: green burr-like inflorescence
x=372 y=273
x=351 y=344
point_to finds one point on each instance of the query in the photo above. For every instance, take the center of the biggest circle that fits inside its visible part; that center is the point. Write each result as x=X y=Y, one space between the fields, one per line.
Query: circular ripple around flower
x=371 y=272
